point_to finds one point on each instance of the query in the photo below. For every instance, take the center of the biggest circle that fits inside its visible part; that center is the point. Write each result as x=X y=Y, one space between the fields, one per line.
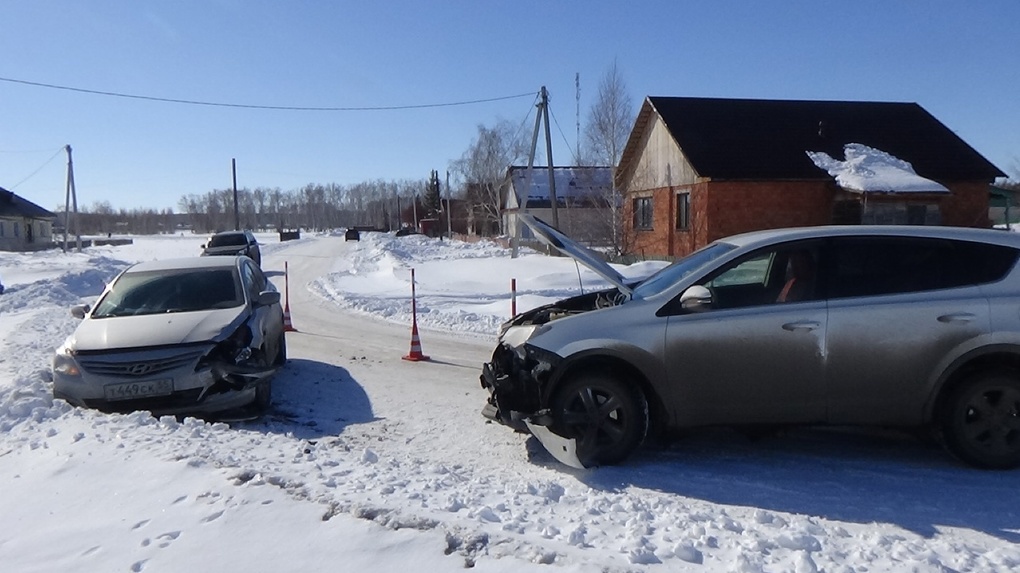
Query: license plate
x=133 y=390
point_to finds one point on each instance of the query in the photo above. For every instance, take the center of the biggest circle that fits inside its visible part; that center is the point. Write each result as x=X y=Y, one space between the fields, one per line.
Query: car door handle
x=801 y=326
x=957 y=318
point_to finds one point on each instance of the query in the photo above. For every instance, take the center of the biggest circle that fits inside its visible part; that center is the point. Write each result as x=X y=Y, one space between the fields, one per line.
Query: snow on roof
x=868 y=170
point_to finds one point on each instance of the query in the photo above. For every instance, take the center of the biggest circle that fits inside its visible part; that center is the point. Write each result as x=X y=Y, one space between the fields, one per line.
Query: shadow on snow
x=861 y=476
x=313 y=399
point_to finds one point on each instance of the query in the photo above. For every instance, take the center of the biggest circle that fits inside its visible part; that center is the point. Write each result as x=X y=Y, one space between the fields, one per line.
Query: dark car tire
x=263 y=395
x=281 y=351
x=981 y=420
x=607 y=418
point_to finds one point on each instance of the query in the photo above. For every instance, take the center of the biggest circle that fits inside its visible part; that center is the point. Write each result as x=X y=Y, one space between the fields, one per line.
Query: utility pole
x=577 y=118
x=542 y=114
x=549 y=158
x=522 y=206
x=414 y=211
x=449 y=225
x=233 y=171
x=71 y=195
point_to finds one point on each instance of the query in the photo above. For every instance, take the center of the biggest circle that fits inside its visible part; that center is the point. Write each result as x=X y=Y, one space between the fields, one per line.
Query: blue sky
x=959 y=60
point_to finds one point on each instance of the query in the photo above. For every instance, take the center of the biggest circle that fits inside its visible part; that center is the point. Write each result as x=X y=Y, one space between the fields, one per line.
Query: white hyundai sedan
x=201 y=336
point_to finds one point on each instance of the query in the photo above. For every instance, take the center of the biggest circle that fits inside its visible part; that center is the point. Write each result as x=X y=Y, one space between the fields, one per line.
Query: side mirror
x=80 y=310
x=268 y=298
x=696 y=299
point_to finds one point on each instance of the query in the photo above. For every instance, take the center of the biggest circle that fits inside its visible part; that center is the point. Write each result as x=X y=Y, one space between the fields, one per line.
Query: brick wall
x=742 y=206
x=968 y=205
x=723 y=208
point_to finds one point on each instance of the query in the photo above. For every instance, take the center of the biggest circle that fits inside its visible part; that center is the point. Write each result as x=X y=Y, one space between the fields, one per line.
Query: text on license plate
x=132 y=390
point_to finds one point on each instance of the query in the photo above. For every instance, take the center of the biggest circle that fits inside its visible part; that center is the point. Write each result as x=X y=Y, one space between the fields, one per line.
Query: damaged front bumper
x=182 y=380
x=518 y=380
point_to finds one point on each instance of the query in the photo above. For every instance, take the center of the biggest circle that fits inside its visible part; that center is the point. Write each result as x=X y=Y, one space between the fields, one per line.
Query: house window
x=643 y=213
x=683 y=211
x=1 y=228
x=900 y=213
x=17 y=230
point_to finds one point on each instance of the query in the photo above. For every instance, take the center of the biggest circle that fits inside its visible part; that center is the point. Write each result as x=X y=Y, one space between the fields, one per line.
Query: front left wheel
x=981 y=420
x=607 y=417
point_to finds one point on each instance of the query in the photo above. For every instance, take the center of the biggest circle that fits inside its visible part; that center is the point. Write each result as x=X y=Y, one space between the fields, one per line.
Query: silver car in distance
x=199 y=336
x=905 y=326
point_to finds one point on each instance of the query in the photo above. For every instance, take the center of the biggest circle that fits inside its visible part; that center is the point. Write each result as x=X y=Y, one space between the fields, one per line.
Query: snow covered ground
x=370 y=462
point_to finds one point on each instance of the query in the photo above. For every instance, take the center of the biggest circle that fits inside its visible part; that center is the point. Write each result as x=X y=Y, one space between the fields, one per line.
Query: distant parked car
x=234 y=243
x=913 y=327
x=180 y=336
x=352 y=235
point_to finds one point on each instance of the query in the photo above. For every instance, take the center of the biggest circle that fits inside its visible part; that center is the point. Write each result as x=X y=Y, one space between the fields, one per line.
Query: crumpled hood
x=587 y=257
x=157 y=329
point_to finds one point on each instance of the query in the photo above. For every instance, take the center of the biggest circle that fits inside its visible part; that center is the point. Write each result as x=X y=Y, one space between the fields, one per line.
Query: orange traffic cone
x=287 y=326
x=415 y=355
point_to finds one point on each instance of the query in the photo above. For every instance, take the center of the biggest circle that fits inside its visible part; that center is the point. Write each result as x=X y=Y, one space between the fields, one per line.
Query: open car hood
x=564 y=244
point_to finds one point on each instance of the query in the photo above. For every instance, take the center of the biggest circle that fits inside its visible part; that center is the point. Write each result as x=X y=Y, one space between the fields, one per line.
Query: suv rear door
x=897 y=307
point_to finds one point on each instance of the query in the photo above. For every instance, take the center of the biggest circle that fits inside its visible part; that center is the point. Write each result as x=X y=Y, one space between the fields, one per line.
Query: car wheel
x=281 y=351
x=263 y=395
x=981 y=420
x=607 y=418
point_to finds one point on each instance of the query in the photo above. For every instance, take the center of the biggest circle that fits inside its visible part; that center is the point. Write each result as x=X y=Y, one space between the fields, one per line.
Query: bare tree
x=610 y=121
x=482 y=170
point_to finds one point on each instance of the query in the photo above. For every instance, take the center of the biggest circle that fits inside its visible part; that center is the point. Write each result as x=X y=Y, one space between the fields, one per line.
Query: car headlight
x=518 y=335
x=65 y=365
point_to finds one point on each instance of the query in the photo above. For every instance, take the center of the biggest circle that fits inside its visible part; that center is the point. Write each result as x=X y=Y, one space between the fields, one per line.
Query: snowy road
x=370 y=462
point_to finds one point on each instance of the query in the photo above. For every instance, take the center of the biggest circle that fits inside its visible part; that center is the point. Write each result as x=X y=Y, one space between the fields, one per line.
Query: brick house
x=698 y=169
x=24 y=226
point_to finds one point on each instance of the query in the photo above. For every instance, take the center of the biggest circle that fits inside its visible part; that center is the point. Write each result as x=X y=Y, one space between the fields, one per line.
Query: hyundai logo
x=139 y=369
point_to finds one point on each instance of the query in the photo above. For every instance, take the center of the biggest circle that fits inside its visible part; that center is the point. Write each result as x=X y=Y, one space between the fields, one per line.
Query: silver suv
x=914 y=327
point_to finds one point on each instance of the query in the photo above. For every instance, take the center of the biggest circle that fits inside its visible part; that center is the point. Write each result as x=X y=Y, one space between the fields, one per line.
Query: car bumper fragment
x=563 y=449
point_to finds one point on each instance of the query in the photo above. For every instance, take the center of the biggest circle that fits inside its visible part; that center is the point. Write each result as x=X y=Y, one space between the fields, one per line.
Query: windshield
x=670 y=275
x=228 y=240
x=158 y=292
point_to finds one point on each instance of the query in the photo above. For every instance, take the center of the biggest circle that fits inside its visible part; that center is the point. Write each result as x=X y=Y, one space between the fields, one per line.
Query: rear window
x=231 y=240
x=883 y=265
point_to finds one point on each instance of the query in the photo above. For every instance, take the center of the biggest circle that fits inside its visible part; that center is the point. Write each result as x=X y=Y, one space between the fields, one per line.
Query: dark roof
x=767 y=139
x=13 y=206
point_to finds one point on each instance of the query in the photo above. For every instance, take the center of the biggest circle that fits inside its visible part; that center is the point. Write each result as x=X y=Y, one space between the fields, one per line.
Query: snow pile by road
x=463 y=287
x=369 y=462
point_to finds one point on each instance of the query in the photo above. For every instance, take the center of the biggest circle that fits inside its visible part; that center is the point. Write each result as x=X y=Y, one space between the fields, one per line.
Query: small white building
x=24 y=226
x=583 y=199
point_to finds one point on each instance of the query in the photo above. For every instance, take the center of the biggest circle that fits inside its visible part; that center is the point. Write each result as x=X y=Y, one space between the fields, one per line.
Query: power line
x=525 y=120
x=564 y=136
x=32 y=174
x=263 y=107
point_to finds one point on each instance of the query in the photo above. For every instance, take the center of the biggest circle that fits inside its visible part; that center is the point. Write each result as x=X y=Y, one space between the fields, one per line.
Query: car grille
x=126 y=367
